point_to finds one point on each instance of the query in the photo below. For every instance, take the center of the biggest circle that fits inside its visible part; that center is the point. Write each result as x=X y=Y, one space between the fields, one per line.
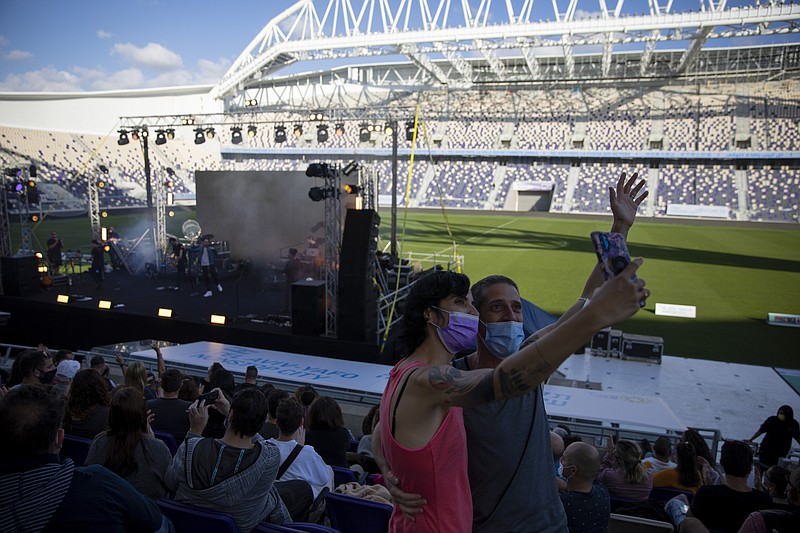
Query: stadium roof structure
x=425 y=44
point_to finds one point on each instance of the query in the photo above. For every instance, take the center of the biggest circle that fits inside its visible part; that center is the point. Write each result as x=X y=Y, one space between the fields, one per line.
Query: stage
x=251 y=301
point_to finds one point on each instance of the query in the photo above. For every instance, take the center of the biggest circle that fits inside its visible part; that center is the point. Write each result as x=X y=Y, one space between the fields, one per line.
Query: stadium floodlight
x=322 y=133
x=298 y=130
x=251 y=131
x=123 y=138
x=339 y=129
x=161 y=137
x=210 y=133
x=280 y=134
x=199 y=136
x=236 y=135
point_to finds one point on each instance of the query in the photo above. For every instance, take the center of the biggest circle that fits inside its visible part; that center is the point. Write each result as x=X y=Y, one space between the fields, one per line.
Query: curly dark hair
x=87 y=391
x=428 y=291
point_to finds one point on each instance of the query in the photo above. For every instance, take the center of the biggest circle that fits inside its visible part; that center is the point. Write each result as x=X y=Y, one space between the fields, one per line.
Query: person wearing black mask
x=778 y=430
x=36 y=367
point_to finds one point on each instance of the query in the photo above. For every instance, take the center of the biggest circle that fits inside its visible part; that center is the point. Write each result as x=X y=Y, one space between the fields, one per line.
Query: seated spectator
x=686 y=474
x=88 y=405
x=662 y=456
x=188 y=391
x=623 y=474
x=136 y=377
x=307 y=464
x=169 y=411
x=65 y=371
x=128 y=448
x=223 y=380
x=725 y=507
x=234 y=474
x=41 y=493
x=786 y=518
x=363 y=454
x=586 y=502
x=63 y=355
x=270 y=428
x=327 y=432
x=250 y=377
x=306 y=396
x=704 y=457
x=99 y=364
x=775 y=483
x=35 y=368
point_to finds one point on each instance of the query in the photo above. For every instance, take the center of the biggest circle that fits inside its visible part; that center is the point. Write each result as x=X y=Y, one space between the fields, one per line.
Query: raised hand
x=625 y=201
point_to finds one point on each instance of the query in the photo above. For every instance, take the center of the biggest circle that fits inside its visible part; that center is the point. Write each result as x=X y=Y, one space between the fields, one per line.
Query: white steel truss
x=444 y=38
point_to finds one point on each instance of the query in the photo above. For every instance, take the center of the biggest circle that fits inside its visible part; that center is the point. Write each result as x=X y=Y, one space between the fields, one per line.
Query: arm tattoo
x=464 y=388
x=512 y=383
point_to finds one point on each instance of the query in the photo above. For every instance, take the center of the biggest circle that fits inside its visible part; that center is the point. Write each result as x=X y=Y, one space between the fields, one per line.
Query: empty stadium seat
x=349 y=514
x=191 y=519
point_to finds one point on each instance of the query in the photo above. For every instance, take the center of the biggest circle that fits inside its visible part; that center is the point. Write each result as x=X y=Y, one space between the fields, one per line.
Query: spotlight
x=104 y=234
x=171 y=214
x=370 y=127
x=319 y=170
x=42 y=269
x=210 y=133
x=251 y=131
x=62 y=299
x=170 y=172
x=38 y=255
x=19 y=187
x=170 y=134
x=34 y=218
x=169 y=184
x=161 y=137
x=143 y=133
x=339 y=129
x=409 y=130
x=135 y=135
x=123 y=138
x=103 y=169
x=319 y=193
x=322 y=133
x=187 y=121
x=101 y=184
x=251 y=103
x=236 y=135
x=104 y=214
x=350 y=167
x=199 y=136
x=170 y=198
x=32 y=171
x=218 y=319
x=104 y=304
x=298 y=130
x=280 y=134
x=106 y=248
x=364 y=132
x=387 y=129
x=317 y=115
x=351 y=189
x=163 y=312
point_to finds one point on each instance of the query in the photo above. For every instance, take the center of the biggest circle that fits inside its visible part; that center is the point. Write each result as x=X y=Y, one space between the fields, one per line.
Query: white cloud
x=152 y=55
x=211 y=71
x=102 y=34
x=18 y=55
x=130 y=78
x=46 y=79
x=174 y=78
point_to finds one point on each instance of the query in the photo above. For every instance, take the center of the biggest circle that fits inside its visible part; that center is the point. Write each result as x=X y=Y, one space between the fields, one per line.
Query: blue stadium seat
x=294 y=527
x=343 y=475
x=191 y=519
x=349 y=514
x=665 y=494
x=76 y=448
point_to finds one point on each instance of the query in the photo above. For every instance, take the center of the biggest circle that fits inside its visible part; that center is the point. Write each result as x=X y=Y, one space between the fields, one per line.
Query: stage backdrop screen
x=260 y=213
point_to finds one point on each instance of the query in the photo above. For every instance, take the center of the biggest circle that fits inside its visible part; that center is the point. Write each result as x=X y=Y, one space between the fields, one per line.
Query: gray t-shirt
x=511 y=466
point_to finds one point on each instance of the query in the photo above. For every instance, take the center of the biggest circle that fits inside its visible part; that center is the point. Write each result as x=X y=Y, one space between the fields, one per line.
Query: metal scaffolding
x=333 y=238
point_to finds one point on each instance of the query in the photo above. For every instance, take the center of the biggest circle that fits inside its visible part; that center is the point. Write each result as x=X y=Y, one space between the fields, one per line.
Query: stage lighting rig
x=318 y=194
x=236 y=135
x=103 y=169
x=387 y=129
x=199 y=136
x=161 y=137
x=339 y=129
x=409 y=130
x=210 y=133
x=32 y=171
x=251 y=131
x=251 y=102
x=170 y=172
x=280 y=134
x=123 y=138
x=317 y=115
x=101 y=184
x=322 y=133
x=187 y=121
x=170 y=133
x=298 y=130
x=364 y=132
x=319 y=170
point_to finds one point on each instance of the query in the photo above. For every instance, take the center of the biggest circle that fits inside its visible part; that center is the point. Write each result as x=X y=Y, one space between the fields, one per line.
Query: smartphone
x=612 y=253
x=209 y=397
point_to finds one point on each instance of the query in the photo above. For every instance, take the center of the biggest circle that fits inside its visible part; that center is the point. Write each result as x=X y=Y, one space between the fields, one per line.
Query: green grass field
x=733 y=274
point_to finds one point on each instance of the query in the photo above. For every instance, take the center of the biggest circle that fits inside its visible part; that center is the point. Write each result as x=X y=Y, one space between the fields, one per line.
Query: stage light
x=171 y=214
x=210 y=133
x=31 y=184
x=371 y=128
x=251 y=103
x=168 y=184
x=218 y=319
x=104 y=214
x=170 y=172
x=298 y=130
x=106 y=248
x=251 y=131
x=350 y=167
x=351 y=189
x=319 y=193
x=38 y=255
x=322 y=133
x=316 y=115
x=170 y=134
x=135 y=135
x=364 y=132
x=280 y=134
x=32 y=171
x=14 y=172
x=163 y=312
x=34 y=218
x=236 y=135
x=187 y=121
x=62 y=299
x=103 y=169
x=143 y=133
x=170 y=198
x=339 y=129
x=101 y=184
x=123 y=138
x=161 y=137
x=42 y=269
x=104 y=304
x=199 y=136
x=319 y=170
x=387 y=129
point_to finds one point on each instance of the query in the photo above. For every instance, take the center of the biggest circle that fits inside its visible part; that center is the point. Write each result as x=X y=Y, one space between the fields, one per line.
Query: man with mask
x=586 y=502
x=510 y=464
x=36 y=367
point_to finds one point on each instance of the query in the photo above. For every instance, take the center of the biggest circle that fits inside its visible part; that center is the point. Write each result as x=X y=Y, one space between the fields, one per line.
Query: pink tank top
x=437 y=471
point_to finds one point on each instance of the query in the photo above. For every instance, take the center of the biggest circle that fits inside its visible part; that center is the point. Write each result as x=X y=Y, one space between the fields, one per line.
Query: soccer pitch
x=733 y=273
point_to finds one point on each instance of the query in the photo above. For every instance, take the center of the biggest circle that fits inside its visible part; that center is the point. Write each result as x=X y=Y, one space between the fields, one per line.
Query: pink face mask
x=460 y=332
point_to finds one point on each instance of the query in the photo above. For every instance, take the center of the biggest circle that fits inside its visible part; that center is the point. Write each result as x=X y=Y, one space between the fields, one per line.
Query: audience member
x=88 y=405
x=35 y=368
x=557 y=447
x=586 y=502
x=363 y=454
x=775 y=481
x=136 y=377
x=778 y=431
x=250 y=377
x=327 y=432
x=704 y=457
x=188 y=391
x=270 y=428
x=623 y=474
x=98 y=363
x=299 y=461
x=686 y=474
x=725 y=507
x=785 y=519
x=169 y=411
x=63 y=355
x=306 y=396
x=39 y=492
x=223 y=381
x=234 y=474
x=128 y=447
x=662 y=456
x=65 y=372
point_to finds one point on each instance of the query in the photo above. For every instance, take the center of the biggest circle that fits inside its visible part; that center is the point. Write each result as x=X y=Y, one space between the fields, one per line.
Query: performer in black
x=98 y=263
x=180 y=258
x=54 y=246
x=293 y=270
x=207 y=258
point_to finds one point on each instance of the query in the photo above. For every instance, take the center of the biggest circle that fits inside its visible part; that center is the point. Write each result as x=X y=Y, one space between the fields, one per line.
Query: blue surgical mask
x=504 y=338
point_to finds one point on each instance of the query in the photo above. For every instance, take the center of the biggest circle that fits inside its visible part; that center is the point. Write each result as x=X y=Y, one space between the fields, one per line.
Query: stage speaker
x=308 y=308
x=356 y=318
x=20 y=276
x=359 y=243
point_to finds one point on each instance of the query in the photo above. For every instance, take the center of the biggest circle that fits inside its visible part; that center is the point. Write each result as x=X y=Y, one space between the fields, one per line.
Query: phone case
x=612 y=253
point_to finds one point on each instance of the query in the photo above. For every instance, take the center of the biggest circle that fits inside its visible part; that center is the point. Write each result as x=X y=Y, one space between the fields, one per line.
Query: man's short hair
x=251 y=373
x=96 y=361
x=481 y=285
x=30 y=416
x=585 y=457
x=274 y=399
x=31 y=360
x=662 y=446
x=249 y=412
x=289 y=415
x=171 y=380
x=736 y=458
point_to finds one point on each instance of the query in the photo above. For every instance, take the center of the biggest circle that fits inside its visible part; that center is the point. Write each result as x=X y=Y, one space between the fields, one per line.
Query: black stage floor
x=252 y=303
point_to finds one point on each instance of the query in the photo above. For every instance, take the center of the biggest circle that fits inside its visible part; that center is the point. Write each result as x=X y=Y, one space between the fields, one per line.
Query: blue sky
x=83 y=45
